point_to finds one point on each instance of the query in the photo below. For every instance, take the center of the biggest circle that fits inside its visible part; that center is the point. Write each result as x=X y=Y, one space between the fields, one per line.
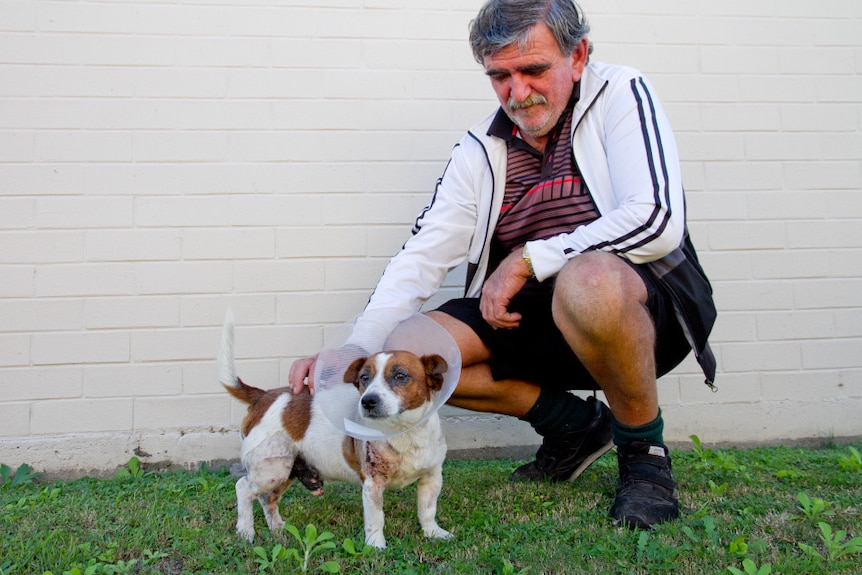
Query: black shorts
x=536 y=351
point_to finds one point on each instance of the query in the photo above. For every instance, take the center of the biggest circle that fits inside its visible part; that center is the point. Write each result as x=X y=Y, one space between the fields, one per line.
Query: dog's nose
x=369 y=402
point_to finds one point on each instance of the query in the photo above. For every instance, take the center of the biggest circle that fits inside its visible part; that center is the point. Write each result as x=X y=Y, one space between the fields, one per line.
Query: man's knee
x=597 y=282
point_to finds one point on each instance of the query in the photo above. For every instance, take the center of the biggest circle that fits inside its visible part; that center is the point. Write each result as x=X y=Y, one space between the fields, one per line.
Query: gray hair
x=501 y=23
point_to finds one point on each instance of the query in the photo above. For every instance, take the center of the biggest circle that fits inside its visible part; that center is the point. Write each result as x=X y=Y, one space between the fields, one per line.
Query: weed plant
x=759 y=511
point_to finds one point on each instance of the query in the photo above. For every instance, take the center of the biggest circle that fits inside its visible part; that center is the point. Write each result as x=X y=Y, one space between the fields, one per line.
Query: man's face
x=534 y=82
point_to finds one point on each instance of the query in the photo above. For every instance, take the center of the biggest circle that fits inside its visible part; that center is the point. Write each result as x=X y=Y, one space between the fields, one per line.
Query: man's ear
x=579 y=58
x=352 y=373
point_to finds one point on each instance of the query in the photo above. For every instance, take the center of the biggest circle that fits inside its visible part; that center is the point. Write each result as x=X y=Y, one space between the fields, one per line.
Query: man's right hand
x=299 y=371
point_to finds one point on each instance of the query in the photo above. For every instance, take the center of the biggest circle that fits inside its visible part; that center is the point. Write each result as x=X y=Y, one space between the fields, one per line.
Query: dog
x=287 y=437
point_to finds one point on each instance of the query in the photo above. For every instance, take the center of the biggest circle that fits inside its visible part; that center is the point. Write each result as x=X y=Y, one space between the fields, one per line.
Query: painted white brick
x=203 y=311
x=740 y=117
x=788 y=264
x=23 y=179
x=136 y=312
x=747 y=235
x=234 y=243
x=132 y=245
x=180 y=146
x=182 y=278
x=835 y=353
x=734 y=327
x=17 y=213
x=15 y=418
x=132 y=380
x=744 y=176
x=851 y=382
x=174 y=211
x=189 y=412
x=754 y=296
x=760 y=356
x=820 y=175
x=818 y=294
x=14 y=350
x=848 y=322
x=40 y=383
x=280 y=276
x=354 y=274
x=41 y=315
x=789 y=325
x=18 y=281
x=322 y=242
x=807 y=385
x=276 y=341
x=781 y=146
x=787 y=205
x=42 y=247
x=336 y=307
x=838 y=88
x=83 y=147
x=819 y=117
x=822 y=234
x=845 y=263
x=84 y=212
x=68 y=280
x=80 y=416
x=80 y=347
x=277 y=210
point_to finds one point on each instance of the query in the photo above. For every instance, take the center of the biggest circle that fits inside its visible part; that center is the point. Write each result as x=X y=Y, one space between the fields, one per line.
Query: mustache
x=531 y=100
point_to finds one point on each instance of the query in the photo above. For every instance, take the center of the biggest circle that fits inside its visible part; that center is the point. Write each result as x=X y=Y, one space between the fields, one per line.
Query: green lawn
x=787 y=510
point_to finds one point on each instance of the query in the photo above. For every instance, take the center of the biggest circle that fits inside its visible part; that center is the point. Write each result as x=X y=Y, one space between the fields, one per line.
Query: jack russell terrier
x=287 y=437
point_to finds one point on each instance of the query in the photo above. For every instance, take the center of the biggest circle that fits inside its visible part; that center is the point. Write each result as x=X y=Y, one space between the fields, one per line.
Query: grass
x=784 y=510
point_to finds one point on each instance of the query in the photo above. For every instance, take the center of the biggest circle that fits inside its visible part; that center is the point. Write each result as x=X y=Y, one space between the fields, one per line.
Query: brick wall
x=160 y=162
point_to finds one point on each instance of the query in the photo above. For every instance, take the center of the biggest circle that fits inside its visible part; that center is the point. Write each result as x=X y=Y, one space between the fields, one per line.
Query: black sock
x=558 y=411
x=625 y=435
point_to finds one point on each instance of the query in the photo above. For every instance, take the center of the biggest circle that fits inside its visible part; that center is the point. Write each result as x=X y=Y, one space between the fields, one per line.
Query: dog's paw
x=275 y=523
x=246 y=533
x=437 y=532
x=376 y=540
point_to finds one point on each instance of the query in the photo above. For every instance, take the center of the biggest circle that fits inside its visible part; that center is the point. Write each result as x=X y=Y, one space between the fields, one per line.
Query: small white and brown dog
x=287 y=437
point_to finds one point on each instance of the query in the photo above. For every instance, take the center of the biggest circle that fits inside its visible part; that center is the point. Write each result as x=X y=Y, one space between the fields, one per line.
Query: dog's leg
x=372 y=504
x=427 y=491
x=245 y=509
x=269 y=502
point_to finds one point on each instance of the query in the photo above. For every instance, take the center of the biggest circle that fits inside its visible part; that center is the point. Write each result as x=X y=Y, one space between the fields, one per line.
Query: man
x=568 y=205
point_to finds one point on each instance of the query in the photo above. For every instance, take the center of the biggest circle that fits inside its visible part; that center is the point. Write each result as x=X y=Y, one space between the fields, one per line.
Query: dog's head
x=396 y=387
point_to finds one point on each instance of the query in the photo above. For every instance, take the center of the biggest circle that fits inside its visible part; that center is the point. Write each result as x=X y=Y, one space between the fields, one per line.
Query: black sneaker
x=646 y=494
x=565 y=457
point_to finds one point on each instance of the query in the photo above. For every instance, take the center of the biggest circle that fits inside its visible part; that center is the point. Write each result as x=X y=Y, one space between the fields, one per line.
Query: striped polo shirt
x=544 y=194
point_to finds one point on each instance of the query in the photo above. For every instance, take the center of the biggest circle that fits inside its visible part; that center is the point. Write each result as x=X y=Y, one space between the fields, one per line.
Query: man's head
x=504 y=22
x=533 y=51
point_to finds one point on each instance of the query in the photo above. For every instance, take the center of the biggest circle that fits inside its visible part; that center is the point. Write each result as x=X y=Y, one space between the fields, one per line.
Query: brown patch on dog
x=259 y=406
x=350 y=449
x=425 y=377
x=351 y=375
x=297 y=415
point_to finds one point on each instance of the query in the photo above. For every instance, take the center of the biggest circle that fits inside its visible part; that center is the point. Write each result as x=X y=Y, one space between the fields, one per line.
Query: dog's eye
x=364 y=378
x=402 y=376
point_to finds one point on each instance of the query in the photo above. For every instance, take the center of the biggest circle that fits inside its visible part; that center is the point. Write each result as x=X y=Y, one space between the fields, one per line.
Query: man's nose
x=519 y=88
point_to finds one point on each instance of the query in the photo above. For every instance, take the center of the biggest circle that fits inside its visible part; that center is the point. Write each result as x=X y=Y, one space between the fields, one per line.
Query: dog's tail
x=227 y=368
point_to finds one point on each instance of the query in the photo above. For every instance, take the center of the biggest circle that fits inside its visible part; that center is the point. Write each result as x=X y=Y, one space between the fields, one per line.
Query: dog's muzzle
x=371 y=405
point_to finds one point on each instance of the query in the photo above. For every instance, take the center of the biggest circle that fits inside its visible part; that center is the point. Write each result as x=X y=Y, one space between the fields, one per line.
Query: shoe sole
x=591 y=459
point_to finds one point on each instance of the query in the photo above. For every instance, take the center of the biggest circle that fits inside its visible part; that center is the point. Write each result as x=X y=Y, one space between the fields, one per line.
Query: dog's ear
x=435 y=367
x=352 y=373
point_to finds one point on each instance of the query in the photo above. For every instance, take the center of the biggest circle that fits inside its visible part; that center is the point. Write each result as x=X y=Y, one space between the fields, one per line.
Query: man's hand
x=499 y=289
x=299 y=370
